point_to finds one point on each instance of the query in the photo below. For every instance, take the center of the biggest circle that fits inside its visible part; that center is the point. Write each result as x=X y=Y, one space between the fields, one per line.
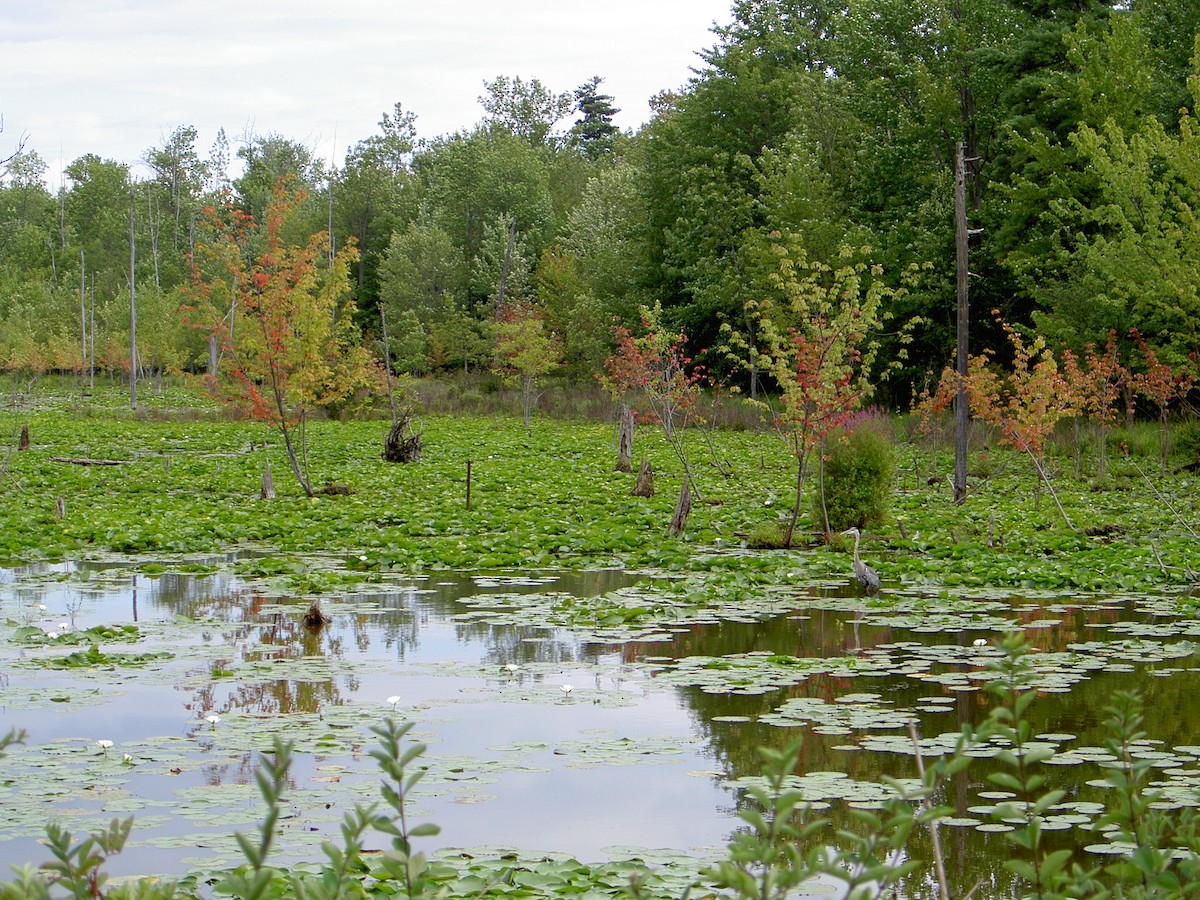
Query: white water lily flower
x=127 y=760
x=980 y=642
x=52 y=634
x=104 y=744
x=362 y=558
x=512 y=667
x=567 y=688
x=393 y=700
x=212 y=719
x=64 y=627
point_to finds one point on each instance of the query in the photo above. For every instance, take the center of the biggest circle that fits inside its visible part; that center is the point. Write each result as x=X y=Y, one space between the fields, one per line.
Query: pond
x=613 y=737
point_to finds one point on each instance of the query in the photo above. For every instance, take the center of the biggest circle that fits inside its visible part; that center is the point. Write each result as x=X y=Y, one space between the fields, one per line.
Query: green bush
x=1186 y=441
x=855 y=487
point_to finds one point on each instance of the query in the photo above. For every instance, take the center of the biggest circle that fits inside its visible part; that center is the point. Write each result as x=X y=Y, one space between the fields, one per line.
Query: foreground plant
x=767 y=861
x=408 y=867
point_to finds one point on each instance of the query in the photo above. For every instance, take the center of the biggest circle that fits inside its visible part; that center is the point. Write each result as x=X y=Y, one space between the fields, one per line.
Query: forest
x=815 y=138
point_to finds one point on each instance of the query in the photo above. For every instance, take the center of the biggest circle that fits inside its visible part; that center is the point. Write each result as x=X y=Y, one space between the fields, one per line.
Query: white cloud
x=114 y=78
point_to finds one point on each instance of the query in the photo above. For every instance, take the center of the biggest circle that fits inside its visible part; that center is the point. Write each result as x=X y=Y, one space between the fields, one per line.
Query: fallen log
x=89 y=462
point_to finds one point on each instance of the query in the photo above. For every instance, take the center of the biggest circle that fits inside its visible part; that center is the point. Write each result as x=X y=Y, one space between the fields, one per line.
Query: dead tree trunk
x=268 y=484
x=644 y=487
x=400 y=446
x=625 y=441
x=682 y=509
x=23 y=443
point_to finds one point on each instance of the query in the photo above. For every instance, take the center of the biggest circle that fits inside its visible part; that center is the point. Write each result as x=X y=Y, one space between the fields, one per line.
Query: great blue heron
x=866 y=576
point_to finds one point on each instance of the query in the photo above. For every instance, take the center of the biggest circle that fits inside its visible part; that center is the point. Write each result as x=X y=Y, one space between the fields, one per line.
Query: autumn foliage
x=282 y=316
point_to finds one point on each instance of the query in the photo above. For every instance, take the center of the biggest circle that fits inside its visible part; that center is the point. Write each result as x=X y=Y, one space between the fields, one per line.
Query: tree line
x=815 y=137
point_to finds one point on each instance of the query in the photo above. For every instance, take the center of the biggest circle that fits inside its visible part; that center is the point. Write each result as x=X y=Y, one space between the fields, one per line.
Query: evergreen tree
x=594 y=132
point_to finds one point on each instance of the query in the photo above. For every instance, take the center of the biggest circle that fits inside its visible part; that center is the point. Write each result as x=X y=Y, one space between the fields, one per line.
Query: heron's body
x=866 y=576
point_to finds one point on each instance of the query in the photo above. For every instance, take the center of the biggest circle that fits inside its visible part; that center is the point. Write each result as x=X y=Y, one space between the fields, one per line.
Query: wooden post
x=961 y=412
x=468 y=484
x=23 y=441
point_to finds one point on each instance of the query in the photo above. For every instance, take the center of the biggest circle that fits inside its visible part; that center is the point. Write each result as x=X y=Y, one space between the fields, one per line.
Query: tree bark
x=268 y=484
x=961 y=412
x=683 y=509
x=625 y=441
x=645 y=480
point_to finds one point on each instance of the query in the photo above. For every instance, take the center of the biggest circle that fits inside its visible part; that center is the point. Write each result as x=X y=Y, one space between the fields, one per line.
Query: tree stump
x=645 y=480
x=23 y=444
x=625 y=441
x=682 y=509
x=314 y=618
x=60 y=507
x=268 y=484
x=401 y=446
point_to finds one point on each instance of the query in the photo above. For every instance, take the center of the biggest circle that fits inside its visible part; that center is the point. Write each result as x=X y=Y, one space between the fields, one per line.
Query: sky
x=116 y=77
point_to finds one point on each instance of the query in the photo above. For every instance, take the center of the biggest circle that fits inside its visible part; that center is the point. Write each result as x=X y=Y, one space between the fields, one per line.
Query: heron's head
x=852 y=531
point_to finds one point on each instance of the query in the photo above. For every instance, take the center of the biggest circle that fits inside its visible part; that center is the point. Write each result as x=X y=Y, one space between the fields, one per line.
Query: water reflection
x=484 y=692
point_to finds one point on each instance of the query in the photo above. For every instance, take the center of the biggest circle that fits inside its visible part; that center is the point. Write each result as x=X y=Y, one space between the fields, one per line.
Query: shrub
x=765 y=536
x=856 y=480
x=1187 y=442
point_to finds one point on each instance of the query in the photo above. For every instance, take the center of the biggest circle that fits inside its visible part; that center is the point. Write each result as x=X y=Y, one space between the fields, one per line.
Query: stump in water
x=682 y=509
x=645 y=480
x=314 y=618
x=625 y=442
x=401 y=446
x=268 y=485
x=23 y=444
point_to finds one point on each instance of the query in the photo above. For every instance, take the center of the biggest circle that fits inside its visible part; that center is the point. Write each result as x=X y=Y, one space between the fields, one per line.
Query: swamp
x=590 y=691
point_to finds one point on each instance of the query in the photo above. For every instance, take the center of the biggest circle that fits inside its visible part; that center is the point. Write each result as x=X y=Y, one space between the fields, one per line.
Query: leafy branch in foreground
x=256 y=881
x=410 y=869
x=766 y=862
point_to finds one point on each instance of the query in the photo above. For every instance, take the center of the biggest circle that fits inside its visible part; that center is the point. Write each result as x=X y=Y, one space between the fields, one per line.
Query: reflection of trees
x=282 y=636
x=1172 y=710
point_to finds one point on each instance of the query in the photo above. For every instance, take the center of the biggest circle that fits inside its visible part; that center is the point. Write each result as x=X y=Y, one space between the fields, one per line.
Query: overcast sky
x=115 y=77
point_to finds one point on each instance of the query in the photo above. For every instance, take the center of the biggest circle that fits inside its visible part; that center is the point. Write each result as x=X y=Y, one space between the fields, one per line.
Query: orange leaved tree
x=653 y=375
x=282 y=313
x=1025 y=403
x=1162 y=385
x=815 y=324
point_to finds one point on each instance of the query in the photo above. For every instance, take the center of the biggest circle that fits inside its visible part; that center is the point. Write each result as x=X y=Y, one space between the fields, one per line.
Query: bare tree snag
x=645 y=480
x=402 y=445
x=682 y=509
x=268 y=484
x=625 y=441
x=23 y=444
x=60 y=507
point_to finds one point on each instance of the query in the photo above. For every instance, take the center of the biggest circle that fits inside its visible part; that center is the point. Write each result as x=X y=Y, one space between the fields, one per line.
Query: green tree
x=571 y=310
x=594 y=131
x=814 y=336
x=267 y=159
x=528 y=110
x=526 y=351
x=374 y=196
x=471 y=179
x=180 y=175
